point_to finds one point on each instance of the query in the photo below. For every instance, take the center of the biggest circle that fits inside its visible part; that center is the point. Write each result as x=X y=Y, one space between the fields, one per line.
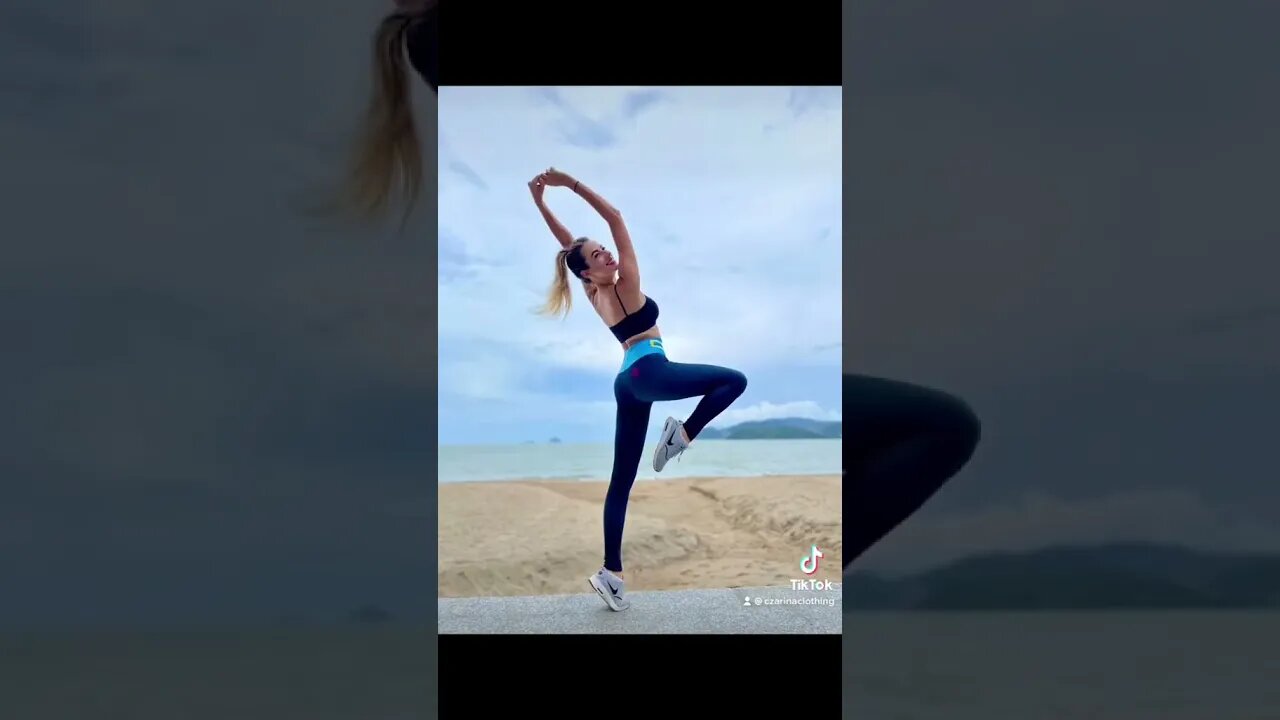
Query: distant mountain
x=1129 y=575
x=777 y=429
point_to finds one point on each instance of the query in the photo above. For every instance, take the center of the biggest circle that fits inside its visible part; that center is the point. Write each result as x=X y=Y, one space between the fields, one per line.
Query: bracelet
x=575 y=185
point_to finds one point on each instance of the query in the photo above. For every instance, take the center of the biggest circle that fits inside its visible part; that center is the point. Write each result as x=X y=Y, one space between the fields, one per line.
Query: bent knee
x=964 y=424
x=736 y=382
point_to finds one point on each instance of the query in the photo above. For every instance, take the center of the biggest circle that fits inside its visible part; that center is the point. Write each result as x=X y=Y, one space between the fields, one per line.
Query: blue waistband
x=640 y=349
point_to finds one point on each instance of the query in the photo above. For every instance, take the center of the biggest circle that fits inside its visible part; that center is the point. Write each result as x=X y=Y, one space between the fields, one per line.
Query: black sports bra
x=637 y=322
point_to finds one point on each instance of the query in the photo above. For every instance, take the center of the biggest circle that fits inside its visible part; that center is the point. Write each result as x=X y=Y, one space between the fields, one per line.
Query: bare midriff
x=650 y=334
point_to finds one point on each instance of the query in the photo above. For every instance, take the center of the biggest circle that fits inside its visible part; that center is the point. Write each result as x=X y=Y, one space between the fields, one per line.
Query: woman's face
x=601 y=264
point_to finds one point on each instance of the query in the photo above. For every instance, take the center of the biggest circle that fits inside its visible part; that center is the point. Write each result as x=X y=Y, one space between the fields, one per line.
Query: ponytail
x=388 y=152
x=559 y=296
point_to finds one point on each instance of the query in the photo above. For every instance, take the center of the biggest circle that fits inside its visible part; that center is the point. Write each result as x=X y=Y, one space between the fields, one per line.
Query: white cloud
x=770 y=411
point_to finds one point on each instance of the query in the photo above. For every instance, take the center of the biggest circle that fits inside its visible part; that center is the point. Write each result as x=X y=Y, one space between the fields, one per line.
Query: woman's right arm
x=536 y=186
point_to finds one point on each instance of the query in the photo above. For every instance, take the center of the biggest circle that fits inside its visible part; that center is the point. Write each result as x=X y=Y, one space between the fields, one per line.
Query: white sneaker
x=670 y=444
x=610 y=589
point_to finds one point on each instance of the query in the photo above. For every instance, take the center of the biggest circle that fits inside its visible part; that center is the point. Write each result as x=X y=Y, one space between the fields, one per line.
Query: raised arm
x=536 y=186
x=628 y=267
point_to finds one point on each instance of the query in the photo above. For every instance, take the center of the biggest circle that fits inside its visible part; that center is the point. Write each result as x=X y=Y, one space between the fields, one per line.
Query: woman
x=612 y=286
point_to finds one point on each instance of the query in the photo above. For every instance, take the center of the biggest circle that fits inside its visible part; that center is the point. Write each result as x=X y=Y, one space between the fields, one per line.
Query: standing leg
x=902 y=442
x=628 y=445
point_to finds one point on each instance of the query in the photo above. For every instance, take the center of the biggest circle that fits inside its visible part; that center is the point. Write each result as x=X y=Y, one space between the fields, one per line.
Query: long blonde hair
x=388 y=154
x=559 y=296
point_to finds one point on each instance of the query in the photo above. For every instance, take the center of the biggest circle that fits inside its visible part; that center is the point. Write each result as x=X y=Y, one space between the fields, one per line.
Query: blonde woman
x=611 y=283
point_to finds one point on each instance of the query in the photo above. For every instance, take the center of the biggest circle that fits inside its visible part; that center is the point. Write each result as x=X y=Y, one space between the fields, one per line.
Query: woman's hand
x=536 y=186
x=555 y=178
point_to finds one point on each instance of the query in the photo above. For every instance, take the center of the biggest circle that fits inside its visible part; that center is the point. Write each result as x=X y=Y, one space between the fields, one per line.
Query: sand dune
x=534 y=537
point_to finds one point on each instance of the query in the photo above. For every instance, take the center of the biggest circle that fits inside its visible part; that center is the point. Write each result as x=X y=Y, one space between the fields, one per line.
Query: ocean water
x=733 y=458
x=1062 y=666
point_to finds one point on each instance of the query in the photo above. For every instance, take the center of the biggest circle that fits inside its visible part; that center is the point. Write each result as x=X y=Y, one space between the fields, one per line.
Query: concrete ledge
x=671 y=611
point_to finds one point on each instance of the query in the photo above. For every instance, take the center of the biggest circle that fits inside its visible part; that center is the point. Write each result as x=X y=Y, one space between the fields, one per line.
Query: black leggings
x=654 y=378
x=901 y=443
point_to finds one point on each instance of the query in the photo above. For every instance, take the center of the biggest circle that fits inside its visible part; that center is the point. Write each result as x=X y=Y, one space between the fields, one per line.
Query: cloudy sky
x=733 y=200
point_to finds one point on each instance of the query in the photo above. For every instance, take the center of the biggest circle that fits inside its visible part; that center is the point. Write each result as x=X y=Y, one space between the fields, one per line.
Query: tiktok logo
x=809 y=563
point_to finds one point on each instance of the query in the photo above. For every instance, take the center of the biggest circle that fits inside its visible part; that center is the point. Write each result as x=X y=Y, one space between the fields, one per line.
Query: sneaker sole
x=606 y=596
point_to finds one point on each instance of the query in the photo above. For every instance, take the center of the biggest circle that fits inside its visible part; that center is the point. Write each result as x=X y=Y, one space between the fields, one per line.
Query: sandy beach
x=539 y=536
